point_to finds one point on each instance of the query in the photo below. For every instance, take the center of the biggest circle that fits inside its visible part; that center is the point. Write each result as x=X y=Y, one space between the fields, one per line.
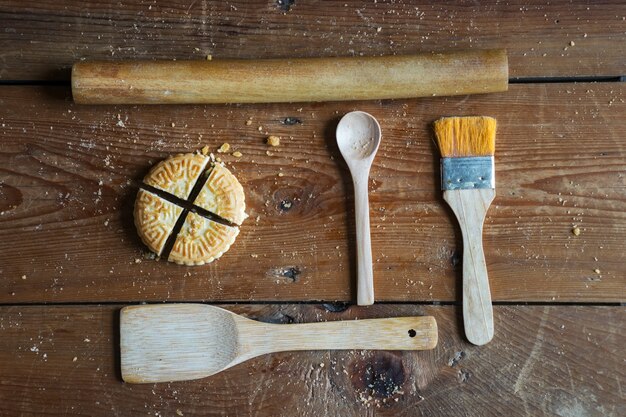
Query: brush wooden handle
x=289 y=80
x=400 y=333
x=470 y=208
x=365 y=270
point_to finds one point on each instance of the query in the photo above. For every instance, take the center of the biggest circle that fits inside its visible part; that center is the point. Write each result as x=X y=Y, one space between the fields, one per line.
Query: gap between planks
x=330 y=304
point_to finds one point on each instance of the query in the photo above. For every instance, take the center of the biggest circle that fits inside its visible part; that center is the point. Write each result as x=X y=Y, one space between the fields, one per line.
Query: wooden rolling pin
x=289 y=80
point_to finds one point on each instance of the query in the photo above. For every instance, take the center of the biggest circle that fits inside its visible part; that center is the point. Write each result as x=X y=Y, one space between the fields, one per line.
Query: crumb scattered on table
x=273 y=140
x=237 y=154
x=224 y=148
x=576 y=231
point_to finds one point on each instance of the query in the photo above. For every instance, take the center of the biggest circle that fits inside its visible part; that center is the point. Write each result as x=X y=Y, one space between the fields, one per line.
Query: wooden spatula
x=177 y=342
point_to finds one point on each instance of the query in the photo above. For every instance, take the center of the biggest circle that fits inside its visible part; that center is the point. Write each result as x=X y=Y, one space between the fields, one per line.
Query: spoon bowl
x=358 y=138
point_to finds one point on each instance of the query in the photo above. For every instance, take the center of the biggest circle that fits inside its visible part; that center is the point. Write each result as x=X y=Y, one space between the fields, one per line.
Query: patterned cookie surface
x=177 y=175
x=155 y=219
x=201 y=241
x=223 y=195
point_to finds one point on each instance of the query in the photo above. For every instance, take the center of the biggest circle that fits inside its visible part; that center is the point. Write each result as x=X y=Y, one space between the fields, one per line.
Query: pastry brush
x=467 y=146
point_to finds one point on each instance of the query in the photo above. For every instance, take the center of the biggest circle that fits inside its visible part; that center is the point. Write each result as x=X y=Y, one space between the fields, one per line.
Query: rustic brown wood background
x=69 y=255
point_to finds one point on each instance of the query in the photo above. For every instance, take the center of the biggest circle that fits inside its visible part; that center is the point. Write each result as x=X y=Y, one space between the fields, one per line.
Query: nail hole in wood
x=412 y=333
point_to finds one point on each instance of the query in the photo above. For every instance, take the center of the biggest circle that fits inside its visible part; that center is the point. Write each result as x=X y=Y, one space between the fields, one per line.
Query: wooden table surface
x=70 y=257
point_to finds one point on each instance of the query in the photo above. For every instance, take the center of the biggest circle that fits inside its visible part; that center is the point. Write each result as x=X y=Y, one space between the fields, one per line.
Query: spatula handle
x=470 y=208
x=401 y=333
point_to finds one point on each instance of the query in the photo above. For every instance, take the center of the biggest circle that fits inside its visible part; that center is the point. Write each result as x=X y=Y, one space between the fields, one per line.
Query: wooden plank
x=68 y=175
x=559 y=38
x=543 y=361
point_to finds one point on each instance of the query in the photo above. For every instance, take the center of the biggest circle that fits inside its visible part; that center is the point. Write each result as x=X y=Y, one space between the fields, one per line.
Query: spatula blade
x=175 y=342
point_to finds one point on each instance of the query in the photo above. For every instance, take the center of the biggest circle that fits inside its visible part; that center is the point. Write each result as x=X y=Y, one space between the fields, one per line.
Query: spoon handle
x=399 y=333
x=365 y=273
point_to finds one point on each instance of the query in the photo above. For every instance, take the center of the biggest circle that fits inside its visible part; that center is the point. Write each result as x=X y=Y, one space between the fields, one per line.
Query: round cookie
x=197 y=238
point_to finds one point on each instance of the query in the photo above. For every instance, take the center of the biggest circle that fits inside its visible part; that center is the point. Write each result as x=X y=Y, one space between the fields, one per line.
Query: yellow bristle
x=466 y=136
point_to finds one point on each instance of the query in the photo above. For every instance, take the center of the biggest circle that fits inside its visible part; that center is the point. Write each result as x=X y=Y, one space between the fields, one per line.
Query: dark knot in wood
x=380 y=377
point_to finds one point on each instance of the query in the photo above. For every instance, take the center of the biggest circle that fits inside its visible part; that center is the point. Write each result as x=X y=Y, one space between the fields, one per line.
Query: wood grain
x=67 y=176
x=40 y=41
x=543 y=361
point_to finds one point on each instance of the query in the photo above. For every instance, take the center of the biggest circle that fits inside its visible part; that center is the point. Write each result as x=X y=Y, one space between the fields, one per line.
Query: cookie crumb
x=273 y=140
x=597 y=271
x=23 y=276
x=224 y=148
x=576 y=231
x=280 y=174
x=237 y=154
x=179 y=413
x=173 y=124
x=572 y=43
x=205 y=150
x=209 y=57
x=137 y=260
x=248 y=122
x=75 y=359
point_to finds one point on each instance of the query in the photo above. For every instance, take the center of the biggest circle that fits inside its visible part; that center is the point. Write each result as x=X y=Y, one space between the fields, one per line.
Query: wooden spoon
x=177 y=342
x=358 y=138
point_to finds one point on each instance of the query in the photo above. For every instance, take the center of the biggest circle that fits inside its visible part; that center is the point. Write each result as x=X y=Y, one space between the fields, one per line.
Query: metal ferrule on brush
x=468 y=173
